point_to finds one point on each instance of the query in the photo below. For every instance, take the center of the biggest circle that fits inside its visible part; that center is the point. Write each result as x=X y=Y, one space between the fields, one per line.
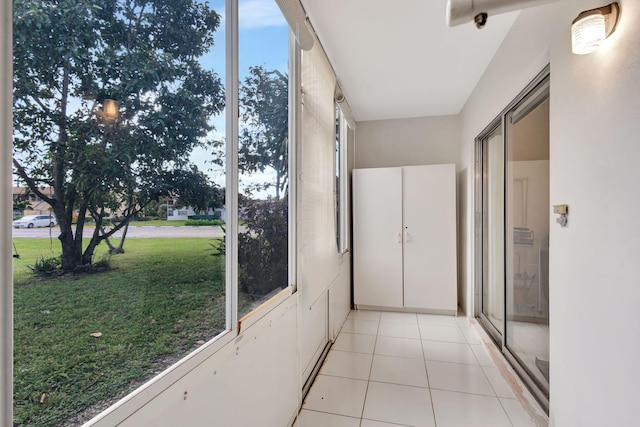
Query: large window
x=263 y=200
x=131 y=127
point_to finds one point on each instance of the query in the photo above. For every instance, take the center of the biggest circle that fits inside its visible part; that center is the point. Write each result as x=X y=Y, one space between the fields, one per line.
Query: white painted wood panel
x=430 y=271
x=315 y=336
x=340 y=297
x=258 y=370
x=377 y=210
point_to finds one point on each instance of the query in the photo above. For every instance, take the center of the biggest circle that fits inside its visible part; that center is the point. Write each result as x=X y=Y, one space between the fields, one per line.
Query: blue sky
x=263 y=40
x=263 y=36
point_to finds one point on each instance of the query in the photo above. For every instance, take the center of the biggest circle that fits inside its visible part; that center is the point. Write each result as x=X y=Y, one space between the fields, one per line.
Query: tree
x=263 y=247
x=193 y=188
x=264 y=101
x=138 y=60
x=263 y=244
x=21 y=203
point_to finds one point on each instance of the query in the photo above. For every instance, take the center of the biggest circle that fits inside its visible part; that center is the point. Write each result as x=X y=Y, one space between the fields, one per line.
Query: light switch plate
x=561 y=209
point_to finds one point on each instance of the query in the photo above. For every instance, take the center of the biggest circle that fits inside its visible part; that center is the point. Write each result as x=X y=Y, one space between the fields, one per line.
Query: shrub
x=214 y=216
x=202 y=222
x=46 y=266
x=52 y=267
x=263 y=247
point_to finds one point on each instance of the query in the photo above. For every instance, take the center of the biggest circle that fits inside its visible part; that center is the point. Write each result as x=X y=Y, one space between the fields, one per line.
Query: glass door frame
x=496 y=334
x=539 y=390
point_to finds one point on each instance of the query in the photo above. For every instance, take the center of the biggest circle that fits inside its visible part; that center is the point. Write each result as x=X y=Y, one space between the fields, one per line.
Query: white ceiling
x=398 y=59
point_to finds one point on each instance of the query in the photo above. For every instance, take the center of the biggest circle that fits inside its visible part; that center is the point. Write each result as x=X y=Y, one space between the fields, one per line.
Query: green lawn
x=160 y=298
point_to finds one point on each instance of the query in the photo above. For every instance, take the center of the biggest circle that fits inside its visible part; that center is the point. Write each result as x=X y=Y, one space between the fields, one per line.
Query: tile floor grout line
x=426 y=370
x=506 y=413
x=467 y=392
x=325 y=412
x=373 y=355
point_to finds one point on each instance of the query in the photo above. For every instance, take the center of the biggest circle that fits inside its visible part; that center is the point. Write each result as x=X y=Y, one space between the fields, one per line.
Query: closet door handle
x=407 y=237
x=400 y=237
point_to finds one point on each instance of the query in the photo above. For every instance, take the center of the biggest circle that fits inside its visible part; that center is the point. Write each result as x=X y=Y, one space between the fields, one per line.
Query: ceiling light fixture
x=592 y=27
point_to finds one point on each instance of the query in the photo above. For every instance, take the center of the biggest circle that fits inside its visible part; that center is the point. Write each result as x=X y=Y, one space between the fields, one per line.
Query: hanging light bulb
x=110 y=109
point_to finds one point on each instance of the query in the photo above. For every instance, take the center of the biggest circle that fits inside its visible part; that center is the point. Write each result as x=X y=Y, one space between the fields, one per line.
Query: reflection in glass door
x=527 y=225
x=512 y=235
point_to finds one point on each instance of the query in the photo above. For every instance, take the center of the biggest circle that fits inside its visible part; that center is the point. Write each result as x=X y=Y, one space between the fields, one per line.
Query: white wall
x=408 y=142
x=595 y=264
x=595 y=152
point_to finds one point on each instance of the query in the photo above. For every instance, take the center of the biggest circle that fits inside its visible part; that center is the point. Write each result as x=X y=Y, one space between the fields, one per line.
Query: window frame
x=124 y=407
x=341 y=187
x=6 y=197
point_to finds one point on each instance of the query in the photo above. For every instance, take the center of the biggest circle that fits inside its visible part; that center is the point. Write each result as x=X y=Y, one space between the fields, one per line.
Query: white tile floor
x=400 y=369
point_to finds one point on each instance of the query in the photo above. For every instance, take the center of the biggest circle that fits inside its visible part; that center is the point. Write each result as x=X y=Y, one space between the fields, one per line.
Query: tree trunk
x=120 y=248
x=64 y=198
x=71 y=253
x=107 y=241
x=87 y=256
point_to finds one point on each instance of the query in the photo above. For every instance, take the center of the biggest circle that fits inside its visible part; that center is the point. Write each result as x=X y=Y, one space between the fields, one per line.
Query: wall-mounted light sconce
x=591 y=27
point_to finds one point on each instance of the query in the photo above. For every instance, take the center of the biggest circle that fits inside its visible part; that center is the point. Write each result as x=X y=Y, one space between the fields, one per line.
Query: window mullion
x=6 y=268
x=231 y=199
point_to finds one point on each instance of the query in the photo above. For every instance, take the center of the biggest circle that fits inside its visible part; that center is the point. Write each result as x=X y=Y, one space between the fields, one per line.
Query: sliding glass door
x=527 y=225
x=512 y=249
x=492 y=252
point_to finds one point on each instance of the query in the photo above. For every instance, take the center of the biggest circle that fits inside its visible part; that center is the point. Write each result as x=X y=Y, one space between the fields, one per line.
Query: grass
x=159 y=299
x=158 y=223
x=150 y=223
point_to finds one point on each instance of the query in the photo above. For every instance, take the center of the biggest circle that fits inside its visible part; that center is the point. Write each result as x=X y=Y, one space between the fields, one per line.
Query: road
x=134 y=232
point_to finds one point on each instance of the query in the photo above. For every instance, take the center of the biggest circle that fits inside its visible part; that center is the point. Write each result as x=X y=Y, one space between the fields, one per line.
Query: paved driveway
x=134 y=232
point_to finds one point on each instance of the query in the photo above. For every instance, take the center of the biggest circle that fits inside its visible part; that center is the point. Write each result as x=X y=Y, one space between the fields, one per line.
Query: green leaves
x=264 y=101
x=71 y=55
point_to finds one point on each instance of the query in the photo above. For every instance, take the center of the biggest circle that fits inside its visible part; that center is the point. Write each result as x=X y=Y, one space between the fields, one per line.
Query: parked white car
x=31 y=221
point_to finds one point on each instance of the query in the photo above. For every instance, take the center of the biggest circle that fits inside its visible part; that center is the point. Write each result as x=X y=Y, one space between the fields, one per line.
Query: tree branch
x=129 y=213
x=31 y=183
x=40 y=104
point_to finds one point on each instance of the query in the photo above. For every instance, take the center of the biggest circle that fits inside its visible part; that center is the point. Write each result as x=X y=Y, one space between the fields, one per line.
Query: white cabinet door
x=430 y=276
x=377 y=235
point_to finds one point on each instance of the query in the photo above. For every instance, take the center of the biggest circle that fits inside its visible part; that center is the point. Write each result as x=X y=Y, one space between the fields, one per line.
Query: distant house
x=177 y=212
x=34 y=205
